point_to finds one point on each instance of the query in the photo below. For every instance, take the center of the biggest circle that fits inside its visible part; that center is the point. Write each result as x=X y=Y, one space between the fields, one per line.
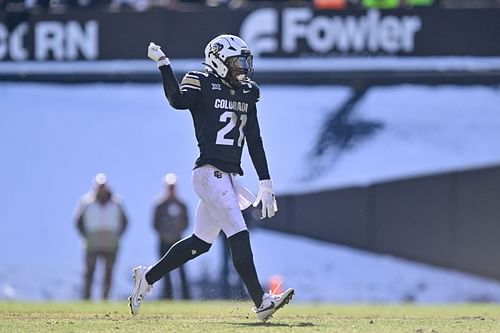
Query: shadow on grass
x=268 y=324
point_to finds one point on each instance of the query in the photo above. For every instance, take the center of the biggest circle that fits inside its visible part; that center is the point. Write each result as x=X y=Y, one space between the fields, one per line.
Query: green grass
x=210 y=317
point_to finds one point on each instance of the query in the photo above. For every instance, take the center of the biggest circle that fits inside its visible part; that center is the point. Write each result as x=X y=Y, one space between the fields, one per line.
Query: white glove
x=156 y=54
x=266 y=195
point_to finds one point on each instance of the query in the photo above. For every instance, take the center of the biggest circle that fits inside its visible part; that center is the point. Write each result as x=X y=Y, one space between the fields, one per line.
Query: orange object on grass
x=275 y=284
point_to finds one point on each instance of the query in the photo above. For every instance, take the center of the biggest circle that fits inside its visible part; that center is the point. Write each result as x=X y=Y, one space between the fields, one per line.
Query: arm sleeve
x=79 y=225
x=184 y=96
x=255 y=145
x=123 y=221
x=79 y=220
x=156 y=218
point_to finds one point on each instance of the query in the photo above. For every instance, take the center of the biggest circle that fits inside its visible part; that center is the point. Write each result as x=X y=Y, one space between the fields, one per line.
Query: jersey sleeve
x=191 y=82
x=185 y=95
x=257 y=92
x=254 y=88
x=255 y=145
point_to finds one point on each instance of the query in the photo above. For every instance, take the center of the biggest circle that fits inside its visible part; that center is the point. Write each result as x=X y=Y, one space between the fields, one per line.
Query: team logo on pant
x=217 y=174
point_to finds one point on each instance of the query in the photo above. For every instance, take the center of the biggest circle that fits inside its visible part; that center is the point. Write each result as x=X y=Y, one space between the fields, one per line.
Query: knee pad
x=197 y=246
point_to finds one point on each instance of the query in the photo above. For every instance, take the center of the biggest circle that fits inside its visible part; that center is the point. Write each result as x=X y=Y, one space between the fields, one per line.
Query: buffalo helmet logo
x=215 y=48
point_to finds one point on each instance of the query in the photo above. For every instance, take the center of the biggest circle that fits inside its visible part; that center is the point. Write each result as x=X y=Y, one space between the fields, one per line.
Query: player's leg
x=166 y=292
x=241 y=253
x=216 y=191
x=182 y=251
x=265 y=304
x=205 y=231
x=222 y=201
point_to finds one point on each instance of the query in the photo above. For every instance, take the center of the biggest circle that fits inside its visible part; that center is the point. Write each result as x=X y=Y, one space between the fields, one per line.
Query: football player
x=222 y=102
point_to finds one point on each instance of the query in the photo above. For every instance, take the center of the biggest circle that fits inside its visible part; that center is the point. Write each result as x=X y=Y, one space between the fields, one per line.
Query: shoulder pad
x=192 y=80
x=197 y=73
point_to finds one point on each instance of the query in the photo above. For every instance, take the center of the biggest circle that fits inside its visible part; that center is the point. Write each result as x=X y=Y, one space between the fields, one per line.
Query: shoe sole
x=136 y=286
x=130 y=305
x=287 y=300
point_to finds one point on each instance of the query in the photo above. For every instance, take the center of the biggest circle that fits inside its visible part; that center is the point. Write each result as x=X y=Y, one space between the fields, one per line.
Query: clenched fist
x=156 y=54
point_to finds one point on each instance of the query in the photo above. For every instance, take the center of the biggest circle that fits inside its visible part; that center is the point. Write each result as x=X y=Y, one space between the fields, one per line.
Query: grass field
x=210 y=317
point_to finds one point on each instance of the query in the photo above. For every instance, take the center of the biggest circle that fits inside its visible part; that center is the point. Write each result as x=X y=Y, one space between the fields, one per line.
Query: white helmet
x=230 y=58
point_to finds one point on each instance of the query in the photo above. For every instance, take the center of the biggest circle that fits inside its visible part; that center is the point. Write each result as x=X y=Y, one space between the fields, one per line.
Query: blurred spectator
x=101 y=221
x=383 y=4
x=16 y=14
x=13 y=5
x=50 y=5
x=255 y=3
x=170 y=221
x=330 y=4
x=470 y=3
x=142 y=5
x=418 y=3
x=413 y=3
x=389 y=4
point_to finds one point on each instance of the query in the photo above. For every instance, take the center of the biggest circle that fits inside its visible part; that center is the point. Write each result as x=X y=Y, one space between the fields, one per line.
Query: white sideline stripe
x=261 y=65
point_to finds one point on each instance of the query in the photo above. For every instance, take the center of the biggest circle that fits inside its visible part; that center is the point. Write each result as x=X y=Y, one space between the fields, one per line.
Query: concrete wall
x=450 y=220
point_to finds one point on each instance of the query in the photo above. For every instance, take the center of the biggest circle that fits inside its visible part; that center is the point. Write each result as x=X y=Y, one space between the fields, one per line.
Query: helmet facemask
x=240 y=68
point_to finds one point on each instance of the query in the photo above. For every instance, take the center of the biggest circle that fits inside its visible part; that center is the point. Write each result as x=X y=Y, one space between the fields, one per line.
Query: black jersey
x=223 y=116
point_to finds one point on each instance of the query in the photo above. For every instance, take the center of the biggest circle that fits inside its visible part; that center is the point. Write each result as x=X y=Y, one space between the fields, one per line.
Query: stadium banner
x=293 y=32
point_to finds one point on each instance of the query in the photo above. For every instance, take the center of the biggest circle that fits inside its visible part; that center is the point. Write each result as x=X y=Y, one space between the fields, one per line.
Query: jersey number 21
x=233 y=120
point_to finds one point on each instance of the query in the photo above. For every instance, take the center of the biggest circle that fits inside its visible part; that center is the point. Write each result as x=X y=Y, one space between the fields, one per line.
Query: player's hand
x=156 y=54
x=266 y=196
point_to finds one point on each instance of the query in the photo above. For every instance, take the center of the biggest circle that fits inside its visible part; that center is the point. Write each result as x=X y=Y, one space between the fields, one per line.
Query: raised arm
x=177 y=97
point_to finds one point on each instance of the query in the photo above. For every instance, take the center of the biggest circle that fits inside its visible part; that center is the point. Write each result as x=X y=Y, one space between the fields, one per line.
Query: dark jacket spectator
x=170 y=222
